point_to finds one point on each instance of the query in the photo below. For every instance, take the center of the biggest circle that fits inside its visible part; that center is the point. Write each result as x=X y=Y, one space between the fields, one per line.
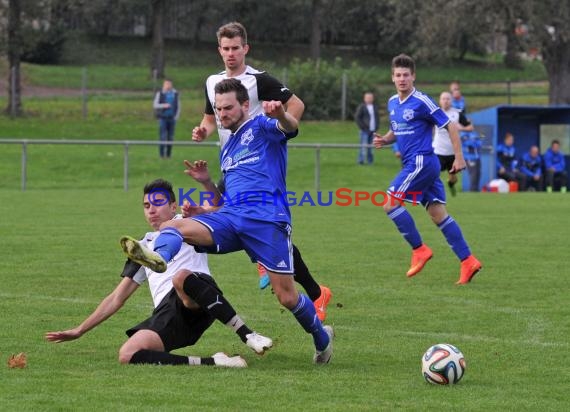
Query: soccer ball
x=443 y=364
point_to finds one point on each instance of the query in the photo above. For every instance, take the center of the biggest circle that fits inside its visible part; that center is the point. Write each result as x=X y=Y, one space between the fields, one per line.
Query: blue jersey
x=412 y=121
x=506 y=157
x=254 y=164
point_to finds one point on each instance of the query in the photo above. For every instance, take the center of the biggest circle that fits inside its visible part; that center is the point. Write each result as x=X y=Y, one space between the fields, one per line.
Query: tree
x=157 y=54
x=14 y=47
x=316 y=28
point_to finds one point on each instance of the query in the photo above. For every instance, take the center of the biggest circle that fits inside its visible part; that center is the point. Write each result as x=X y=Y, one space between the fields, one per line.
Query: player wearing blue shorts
x=413 y=116
x=255 y=216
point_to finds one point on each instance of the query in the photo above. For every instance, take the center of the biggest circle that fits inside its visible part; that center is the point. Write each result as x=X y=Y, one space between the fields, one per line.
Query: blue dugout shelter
x=530 y=125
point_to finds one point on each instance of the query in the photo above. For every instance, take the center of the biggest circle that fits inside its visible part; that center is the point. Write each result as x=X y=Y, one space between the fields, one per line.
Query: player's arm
x=295 y=107
x=198 y=170
x=464 y=124
x=276 y=110
x=387 y=139
x=206 y=127
x=107 y=308
x=459 y=162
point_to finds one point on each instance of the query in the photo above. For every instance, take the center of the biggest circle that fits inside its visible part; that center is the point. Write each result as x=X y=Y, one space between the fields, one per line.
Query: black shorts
x=177 y=325
x=446 y=162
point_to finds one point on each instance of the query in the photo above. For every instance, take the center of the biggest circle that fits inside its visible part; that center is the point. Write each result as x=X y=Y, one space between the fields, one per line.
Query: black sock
x=146 y=356
x=303 y=276
x=450 y=183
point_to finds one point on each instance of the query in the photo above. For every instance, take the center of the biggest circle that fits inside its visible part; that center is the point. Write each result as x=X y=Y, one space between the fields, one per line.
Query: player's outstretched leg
x=211 y=300
x=325 y=355
x=140 y=254
x=152 y=357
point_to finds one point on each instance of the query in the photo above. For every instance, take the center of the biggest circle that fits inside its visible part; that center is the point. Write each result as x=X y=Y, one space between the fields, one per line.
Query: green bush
x=319 y=85
x=43 y=46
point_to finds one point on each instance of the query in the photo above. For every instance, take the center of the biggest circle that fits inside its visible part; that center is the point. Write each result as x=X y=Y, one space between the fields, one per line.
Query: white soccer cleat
x=322 y=357
x=258 y=342
x=221 y=359
x=140 y=254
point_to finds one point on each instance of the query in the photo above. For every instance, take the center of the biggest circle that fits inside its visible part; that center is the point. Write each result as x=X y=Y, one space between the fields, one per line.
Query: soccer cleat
x=221 y=359
x=140 y=254
x=469 y=268
x=420 y=257
x=263 y=277
x=324 y=356
x=258 y=343
x=321 y=303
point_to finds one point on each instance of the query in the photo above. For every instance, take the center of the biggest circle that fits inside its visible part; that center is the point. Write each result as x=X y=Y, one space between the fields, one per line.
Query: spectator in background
x=471 y=146
x=367 y=119
x=531 y=166
x=555 y=167
x=442 y=144
x=507 y=165
x=167 y=108
x=457 y=99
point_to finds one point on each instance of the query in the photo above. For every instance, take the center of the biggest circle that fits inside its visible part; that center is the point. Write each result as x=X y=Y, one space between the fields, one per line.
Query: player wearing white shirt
x=442 y=145
x=177 y=320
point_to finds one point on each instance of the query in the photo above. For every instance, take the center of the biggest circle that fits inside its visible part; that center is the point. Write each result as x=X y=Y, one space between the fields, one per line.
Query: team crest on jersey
x=247 y=137
x=408 y=114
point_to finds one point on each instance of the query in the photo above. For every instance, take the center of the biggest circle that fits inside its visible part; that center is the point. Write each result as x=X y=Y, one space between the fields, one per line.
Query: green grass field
x=60 y=257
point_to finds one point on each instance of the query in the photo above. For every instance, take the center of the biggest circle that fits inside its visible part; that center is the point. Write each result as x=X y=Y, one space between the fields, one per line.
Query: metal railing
x=317 y=147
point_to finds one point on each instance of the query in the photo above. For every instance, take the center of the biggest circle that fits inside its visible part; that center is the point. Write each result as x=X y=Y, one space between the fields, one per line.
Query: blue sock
x=306 y=315
x=168 y=243
x=405 y=224
x=454 y=237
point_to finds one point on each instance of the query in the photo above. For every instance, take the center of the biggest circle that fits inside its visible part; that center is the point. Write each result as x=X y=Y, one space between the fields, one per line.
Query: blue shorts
x=419 y=182
x=266 y=242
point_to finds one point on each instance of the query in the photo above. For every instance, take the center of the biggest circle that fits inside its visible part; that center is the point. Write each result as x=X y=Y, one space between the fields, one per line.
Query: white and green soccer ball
x=443 y=364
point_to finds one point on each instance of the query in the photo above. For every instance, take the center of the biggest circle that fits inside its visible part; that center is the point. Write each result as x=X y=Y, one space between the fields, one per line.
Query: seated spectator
x=507 y=165
x=555 y=167
x=531 y=166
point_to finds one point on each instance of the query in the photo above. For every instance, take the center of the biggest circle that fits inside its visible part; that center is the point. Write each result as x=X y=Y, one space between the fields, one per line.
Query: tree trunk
x=14 y=107
x=157 y=59
x=316 y=17
x=556 y=55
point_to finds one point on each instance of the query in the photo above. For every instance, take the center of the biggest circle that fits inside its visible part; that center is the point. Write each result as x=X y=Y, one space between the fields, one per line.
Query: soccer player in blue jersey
x=255 y=217
x=413 y=116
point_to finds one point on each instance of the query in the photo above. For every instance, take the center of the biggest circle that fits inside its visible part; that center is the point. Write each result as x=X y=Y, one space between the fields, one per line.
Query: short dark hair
x=555 y=141
x=160 y=186
x=404 y=61
x=231 y=30
x=232 y=85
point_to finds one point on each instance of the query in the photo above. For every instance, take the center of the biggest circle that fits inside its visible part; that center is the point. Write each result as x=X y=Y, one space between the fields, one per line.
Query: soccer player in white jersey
x=177 y=320
x=233 y=48
x=413 y=116
x=255 y=216
x=442 y=143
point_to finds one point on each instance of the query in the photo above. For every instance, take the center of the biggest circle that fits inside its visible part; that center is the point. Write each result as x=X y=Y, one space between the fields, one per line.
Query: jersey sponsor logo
x=408 y=114
x=247 y=137
x=394 y=125
x=227 y=163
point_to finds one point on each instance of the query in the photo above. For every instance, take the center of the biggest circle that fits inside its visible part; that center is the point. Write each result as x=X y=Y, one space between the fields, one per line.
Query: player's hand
x=458 y=165
x=273 y=108
x=199 y=134
x=197 y=170
x=63 y=336
x=379 y=141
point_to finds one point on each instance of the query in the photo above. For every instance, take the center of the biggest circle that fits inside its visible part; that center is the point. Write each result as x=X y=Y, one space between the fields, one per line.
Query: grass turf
x=61 y=257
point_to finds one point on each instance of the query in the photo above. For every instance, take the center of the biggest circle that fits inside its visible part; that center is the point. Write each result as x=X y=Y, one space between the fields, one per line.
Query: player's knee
x=125 y=356
x=179 y=279
x=287 y=298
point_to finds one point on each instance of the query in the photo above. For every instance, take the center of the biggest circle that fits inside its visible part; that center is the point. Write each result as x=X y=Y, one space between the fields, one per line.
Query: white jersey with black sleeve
x=260 y=86
x=161 y=283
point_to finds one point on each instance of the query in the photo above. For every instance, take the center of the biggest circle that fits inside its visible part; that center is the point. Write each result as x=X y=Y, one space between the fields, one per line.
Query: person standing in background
x=167 y=108
x=367 y=119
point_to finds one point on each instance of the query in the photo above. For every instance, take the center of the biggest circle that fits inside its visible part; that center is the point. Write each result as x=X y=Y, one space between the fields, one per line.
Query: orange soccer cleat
x=469 y=268
x=321 y=303
x=420 y=257
x=263 y=277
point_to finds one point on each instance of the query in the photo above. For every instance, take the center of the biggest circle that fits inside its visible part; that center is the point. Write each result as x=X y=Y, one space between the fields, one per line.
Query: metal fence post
x=84 y=92
x=24 y=164
x=126 y=167
x=318 y=168
x=343 y=97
